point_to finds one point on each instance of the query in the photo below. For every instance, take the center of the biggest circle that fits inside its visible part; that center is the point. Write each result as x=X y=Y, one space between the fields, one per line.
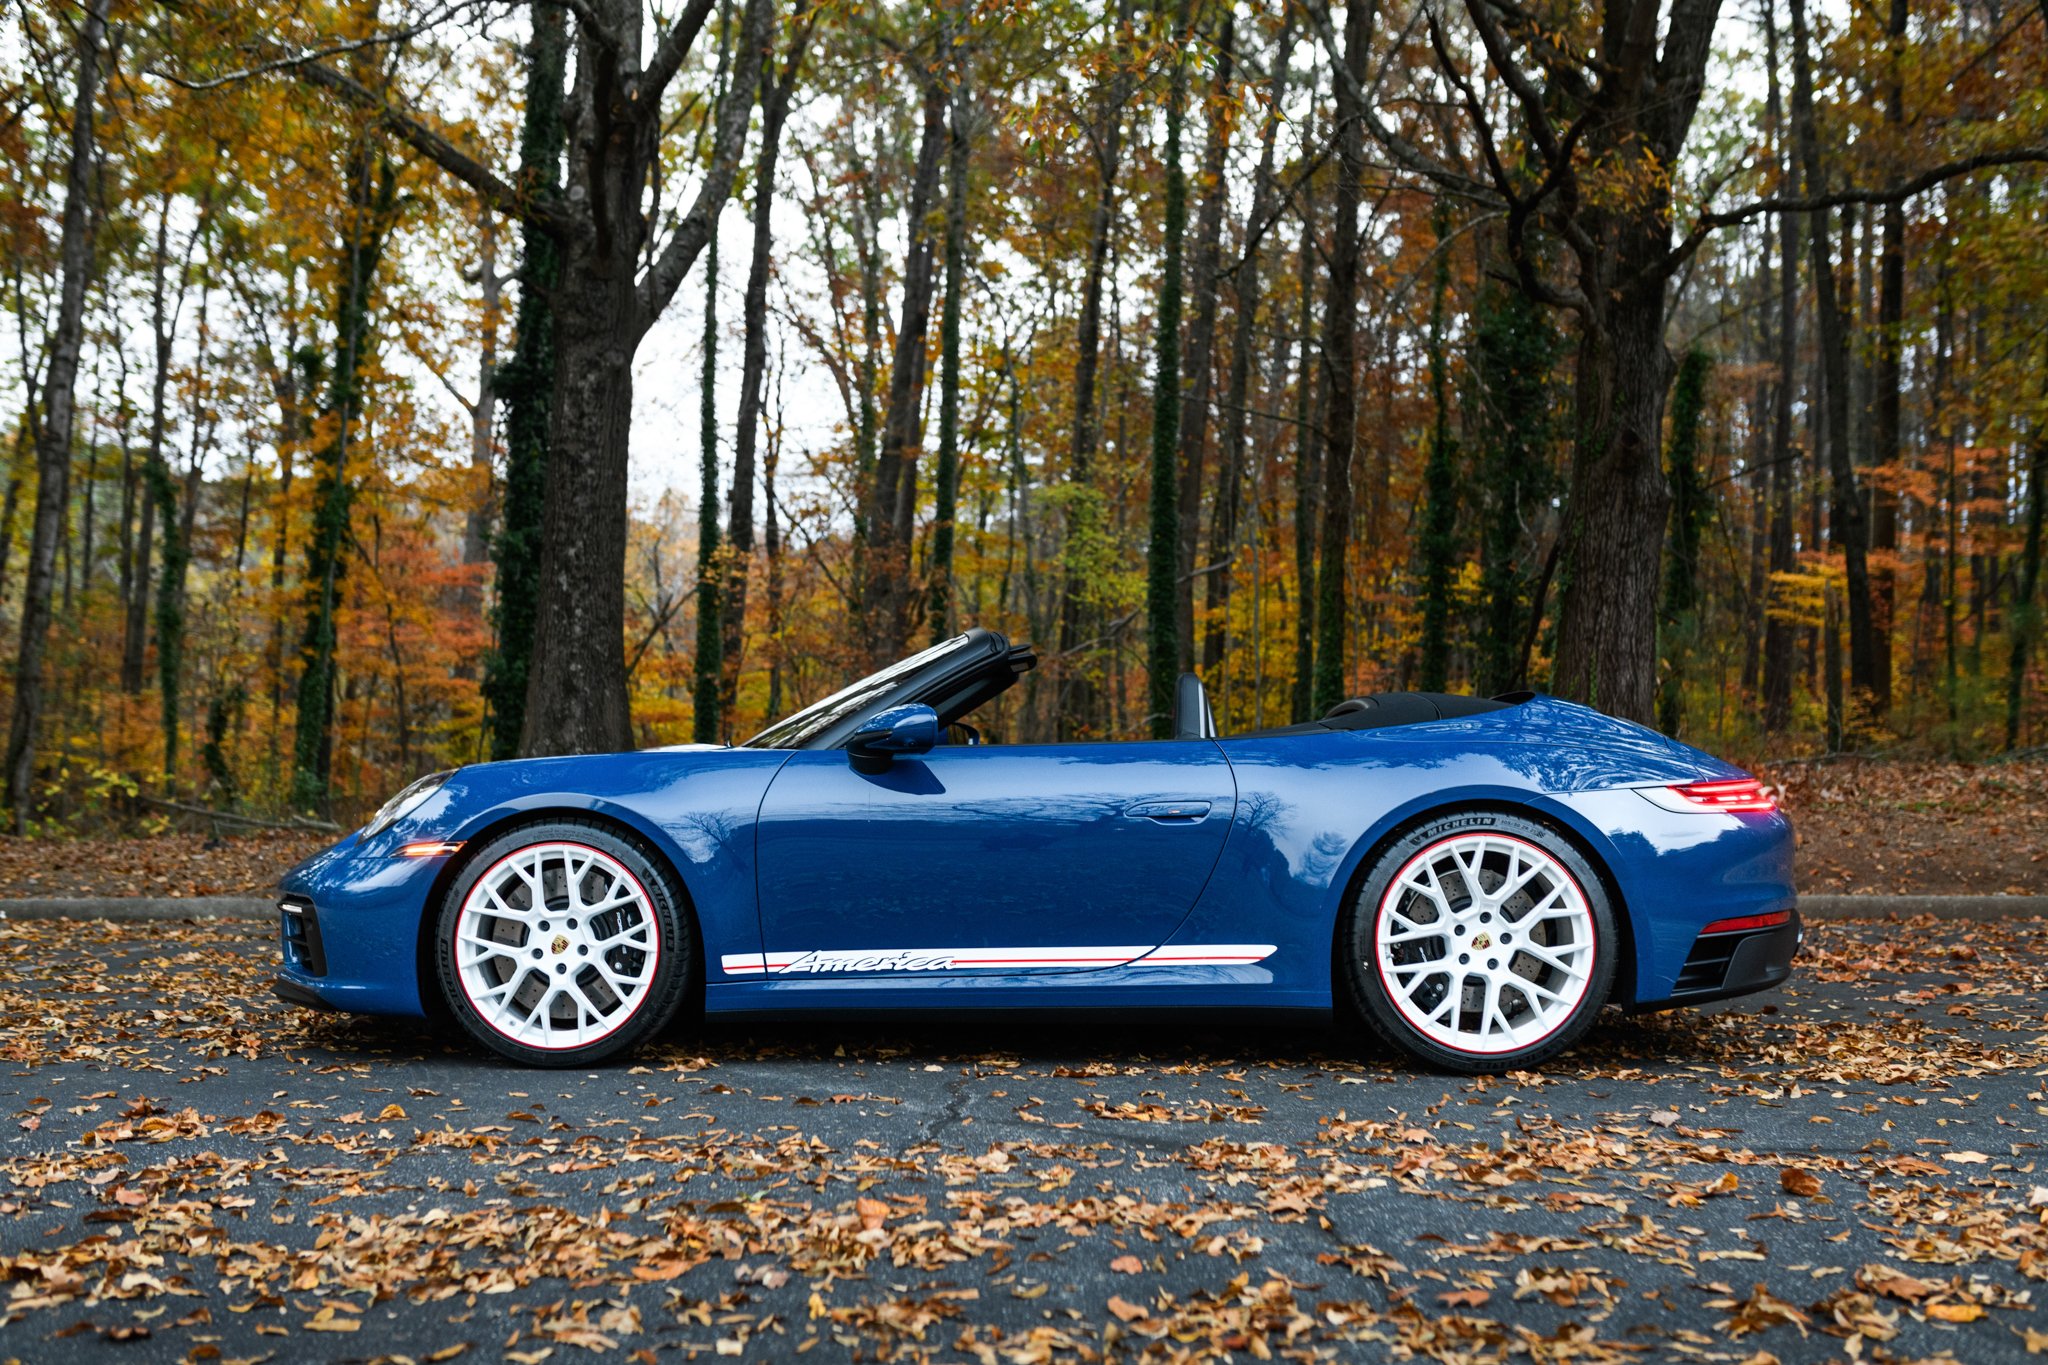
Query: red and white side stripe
x=911 y=960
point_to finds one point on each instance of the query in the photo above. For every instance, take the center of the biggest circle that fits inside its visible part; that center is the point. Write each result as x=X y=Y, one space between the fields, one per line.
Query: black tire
x=648 y=1010
x=1372 y=996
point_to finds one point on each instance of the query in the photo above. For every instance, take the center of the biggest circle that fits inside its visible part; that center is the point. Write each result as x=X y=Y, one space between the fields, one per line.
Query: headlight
x=405 y=803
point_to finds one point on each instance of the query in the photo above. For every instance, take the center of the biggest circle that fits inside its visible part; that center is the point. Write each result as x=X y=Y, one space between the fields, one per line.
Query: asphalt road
x=1847 y=1169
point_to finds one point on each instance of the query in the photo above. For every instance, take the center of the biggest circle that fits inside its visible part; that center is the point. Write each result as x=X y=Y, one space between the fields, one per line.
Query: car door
x=986 y=859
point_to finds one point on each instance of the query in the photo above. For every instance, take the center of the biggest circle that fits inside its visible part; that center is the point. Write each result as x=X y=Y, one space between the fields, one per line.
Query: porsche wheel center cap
x=1481 y=941
x=560 y=945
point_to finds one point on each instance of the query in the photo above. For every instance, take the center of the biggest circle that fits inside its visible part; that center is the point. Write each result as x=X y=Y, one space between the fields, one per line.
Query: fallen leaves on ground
x=1211 y=1197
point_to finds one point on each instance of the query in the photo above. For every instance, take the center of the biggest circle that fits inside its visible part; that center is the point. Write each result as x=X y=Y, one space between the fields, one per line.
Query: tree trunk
x=1163 y=546
x=939 y=612
x=1340 y=374
x=476 y=522
x=707 y=720
x=170 y=588
x=739 y=534
x=1438 y=545
x=1307 y=441
x=135 y=635
x=2026 y=609
x=372 y=198
x=1891 y=289
x=1617 y=500
x=893 y=497
x=576 y=699
x=1779 y=663
x=526 y=387
x=1689 y=512
x=1201 y=342
x=1514 y=352
x=1237 y=396
x=1077 y=693
x=1847 y=525
x=53 y=446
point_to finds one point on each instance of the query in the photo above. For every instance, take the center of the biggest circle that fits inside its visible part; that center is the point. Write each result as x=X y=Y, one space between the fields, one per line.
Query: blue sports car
x=1472 y=879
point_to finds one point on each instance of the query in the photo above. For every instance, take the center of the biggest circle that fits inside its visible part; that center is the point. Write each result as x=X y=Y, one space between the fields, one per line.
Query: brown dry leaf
x=1127 y=1265
x=1464 y=1298
x=1125 y=1309
x=1798 y=1182
x=1897 y=1284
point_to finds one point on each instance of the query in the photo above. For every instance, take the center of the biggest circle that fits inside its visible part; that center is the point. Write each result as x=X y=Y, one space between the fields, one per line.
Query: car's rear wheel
x=1480 y=942
x=563 y=944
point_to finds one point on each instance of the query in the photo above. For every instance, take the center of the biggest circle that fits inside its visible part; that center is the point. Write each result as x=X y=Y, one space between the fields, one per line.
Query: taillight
x=1739 y=794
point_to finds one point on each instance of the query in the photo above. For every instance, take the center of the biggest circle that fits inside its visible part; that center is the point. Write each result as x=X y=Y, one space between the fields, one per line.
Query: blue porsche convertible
x=1472 y=880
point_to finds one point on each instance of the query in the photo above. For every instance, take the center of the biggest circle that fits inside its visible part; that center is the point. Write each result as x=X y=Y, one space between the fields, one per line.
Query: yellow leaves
x=331 y=1319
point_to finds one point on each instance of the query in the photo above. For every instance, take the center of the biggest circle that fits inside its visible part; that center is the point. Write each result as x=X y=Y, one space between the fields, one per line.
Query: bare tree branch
x=669 y=53
x=1710 y=222
x=660 y=283
x=434 y=147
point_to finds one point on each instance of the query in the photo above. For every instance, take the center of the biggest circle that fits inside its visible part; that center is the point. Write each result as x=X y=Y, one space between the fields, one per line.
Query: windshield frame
x=877 y=691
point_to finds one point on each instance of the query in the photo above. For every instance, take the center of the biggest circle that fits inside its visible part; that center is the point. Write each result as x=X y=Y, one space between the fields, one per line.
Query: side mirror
x=900 y=731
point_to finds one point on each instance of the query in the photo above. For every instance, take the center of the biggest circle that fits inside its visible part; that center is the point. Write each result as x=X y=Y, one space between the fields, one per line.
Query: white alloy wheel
x=557 y=946
x=1485 y=944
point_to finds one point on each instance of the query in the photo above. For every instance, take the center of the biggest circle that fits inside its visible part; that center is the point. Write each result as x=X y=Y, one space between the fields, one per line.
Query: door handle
x=1169 y=812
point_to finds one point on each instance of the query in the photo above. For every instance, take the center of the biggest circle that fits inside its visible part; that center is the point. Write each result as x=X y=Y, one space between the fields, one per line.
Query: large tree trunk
x=1617 y=499
x=576 y=698
x=1848 y=526
x=739 y=533
x=1237 y=394
x=576 y=690
x=53 y=447
x=1340 y=374
x=893 y=497
x=1642 y=111
x=1199 y=369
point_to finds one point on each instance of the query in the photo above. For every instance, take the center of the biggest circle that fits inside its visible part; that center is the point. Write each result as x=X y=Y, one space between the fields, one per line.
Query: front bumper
x=349 y=930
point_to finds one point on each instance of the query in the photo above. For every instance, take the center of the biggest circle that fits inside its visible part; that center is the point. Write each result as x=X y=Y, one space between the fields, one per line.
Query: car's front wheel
x=563 y=944
x=1480 y=942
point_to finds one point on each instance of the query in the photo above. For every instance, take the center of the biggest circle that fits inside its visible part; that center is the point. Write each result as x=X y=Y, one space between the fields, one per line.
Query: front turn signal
x=431 y=848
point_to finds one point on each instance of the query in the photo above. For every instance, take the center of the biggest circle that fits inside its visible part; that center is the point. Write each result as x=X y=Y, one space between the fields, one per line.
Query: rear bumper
x=1721 y=966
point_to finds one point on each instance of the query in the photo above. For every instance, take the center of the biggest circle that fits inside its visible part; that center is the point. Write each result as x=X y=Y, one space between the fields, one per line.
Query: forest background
x=391 y=386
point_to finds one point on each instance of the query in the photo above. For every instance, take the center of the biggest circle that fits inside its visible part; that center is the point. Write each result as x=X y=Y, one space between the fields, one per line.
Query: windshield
x=793 y=732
